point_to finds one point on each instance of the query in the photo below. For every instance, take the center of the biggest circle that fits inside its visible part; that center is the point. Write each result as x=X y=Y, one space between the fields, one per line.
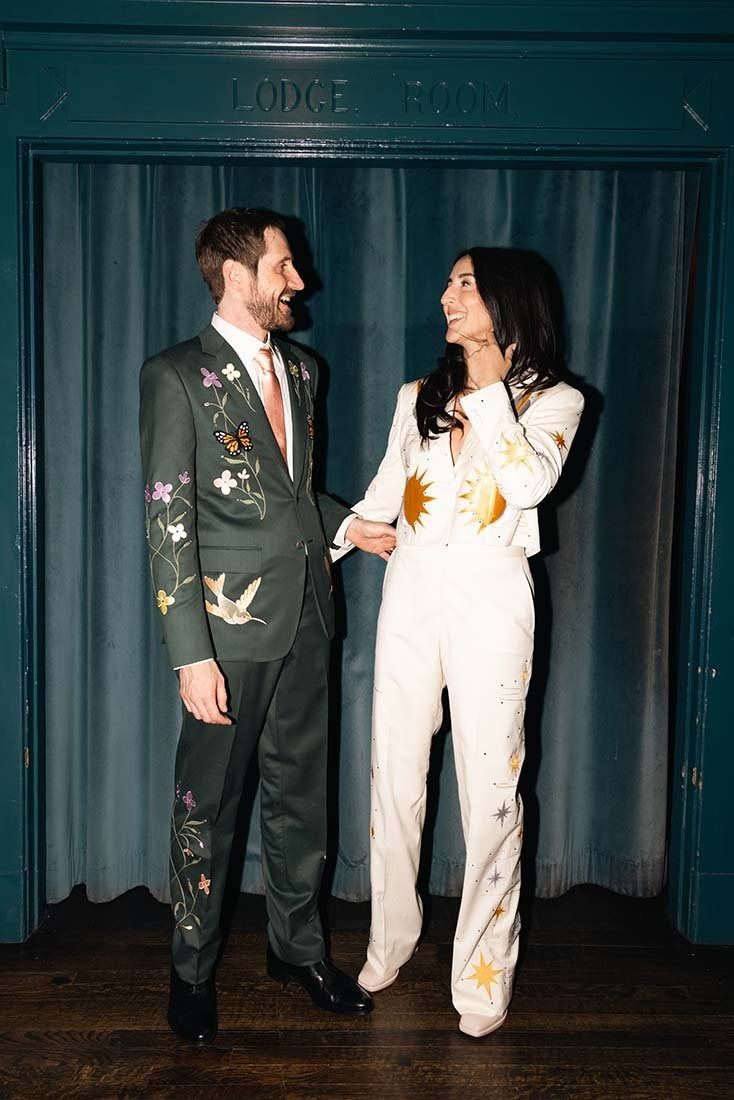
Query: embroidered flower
x=204 y=884
x=304 y=373
x=309 y=425
x=243 y=475
x=187 y=852
x=230 y=372
x=164 y=601
x=147 y=494
x=184 y=477
x=293 y=368
x=189 y=801
x=162 y=492
x=176 y=531
x=211 y=378
x=226 y=482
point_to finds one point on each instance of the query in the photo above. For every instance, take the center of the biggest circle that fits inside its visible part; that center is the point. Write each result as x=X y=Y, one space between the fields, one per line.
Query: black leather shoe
x=192 y=1010
x=327 y=986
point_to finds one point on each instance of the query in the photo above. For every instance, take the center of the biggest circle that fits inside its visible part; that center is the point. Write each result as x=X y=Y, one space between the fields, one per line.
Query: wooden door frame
x=480 y=81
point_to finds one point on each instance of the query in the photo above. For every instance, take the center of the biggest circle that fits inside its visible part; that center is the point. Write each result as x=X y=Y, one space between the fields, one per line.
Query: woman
x=473 y=450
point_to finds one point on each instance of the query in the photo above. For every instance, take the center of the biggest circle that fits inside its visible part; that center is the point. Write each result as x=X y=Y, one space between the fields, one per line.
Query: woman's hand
x=485 y=362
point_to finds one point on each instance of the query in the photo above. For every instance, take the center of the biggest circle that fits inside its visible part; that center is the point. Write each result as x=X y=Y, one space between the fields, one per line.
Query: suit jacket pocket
x=230 y=559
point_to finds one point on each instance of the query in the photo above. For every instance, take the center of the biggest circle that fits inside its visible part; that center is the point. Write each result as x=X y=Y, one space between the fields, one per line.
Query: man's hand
x=373 y=537
x=204 y=692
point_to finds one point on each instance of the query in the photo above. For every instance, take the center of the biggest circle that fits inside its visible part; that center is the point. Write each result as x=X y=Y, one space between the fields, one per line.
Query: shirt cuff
x=204 y=661
x=488 y=399
x=340 y=538
x=341 y=545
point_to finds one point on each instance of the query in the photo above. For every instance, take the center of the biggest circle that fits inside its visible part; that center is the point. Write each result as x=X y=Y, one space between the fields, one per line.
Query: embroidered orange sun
x=416 y=499
x=484 y=501
x=484 y=974
x=560 y=440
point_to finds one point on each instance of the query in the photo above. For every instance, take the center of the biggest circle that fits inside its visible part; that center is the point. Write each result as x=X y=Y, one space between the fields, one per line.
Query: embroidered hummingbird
x=233 y=612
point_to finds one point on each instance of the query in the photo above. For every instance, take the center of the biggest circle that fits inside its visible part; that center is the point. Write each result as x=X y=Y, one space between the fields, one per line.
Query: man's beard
x=267 y=314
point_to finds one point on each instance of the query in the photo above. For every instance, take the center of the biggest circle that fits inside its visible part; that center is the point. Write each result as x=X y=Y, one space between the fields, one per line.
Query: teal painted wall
x=487 y=82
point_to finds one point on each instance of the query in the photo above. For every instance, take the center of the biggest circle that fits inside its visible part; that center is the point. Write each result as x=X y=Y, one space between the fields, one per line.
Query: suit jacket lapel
x=297 y=389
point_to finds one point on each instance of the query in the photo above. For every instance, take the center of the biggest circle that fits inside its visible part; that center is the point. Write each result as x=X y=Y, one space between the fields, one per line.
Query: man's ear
x=235 y=275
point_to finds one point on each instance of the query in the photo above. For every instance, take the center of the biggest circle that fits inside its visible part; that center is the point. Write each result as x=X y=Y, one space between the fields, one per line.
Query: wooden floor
x=609 y=1003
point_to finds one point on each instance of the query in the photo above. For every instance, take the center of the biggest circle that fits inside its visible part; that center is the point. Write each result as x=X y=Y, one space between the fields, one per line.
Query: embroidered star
x=484 y=974
x=498 y=911
x=515 y=763
x=560 y=440
x=516 y=452
x=502 y=812
x=494 y=877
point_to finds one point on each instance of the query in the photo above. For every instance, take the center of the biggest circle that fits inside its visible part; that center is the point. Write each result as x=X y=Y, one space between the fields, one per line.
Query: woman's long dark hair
x=522 y=296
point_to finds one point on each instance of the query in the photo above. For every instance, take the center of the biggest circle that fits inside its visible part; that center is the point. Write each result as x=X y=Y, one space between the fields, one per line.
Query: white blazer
x=507 y=465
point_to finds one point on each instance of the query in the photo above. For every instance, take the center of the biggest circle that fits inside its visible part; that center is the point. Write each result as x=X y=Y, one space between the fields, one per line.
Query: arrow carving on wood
x=52 y=89
x=697 y=103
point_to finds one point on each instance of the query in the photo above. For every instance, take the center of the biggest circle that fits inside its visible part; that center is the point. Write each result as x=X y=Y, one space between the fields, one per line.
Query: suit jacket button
x=300 y=544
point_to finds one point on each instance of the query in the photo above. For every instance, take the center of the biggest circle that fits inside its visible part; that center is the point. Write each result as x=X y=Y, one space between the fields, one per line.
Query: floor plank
x=610 y=1004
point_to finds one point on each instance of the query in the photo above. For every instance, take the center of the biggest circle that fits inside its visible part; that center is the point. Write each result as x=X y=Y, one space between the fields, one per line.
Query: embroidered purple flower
x=189 y=801
x=211 y=378
x=184 y=477
x=304 y=373
x=162 y=492
x=147 y=494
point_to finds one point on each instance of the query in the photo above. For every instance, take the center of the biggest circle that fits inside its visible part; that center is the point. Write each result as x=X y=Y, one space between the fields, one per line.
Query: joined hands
x=372 y=537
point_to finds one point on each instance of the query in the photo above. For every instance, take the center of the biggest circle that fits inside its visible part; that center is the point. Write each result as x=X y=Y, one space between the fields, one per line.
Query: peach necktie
x=272 y=398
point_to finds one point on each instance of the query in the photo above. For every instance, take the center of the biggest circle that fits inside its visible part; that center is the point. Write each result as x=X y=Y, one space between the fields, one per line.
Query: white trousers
x=460 y=617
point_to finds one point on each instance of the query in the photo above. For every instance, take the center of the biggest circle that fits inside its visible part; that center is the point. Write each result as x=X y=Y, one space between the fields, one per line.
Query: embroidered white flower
x=243 y=475
x=226 y=482
x=176 y=531
x=230 y=372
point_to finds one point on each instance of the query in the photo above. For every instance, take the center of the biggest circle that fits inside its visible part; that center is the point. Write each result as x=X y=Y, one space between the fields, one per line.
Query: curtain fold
x=120 y=282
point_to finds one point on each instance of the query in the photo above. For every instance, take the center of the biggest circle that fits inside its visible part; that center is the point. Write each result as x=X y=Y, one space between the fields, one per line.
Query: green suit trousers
x=280 y=707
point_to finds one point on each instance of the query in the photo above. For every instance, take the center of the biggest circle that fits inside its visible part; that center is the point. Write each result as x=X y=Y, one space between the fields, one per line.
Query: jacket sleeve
x=168 y=446
x=526 y=455
x=384 y=495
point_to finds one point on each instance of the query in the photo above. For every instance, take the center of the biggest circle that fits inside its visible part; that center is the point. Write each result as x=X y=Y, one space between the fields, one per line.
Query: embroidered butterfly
x=240 y=441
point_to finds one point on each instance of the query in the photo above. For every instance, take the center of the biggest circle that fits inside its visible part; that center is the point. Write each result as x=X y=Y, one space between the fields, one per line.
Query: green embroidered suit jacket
x=230 y=534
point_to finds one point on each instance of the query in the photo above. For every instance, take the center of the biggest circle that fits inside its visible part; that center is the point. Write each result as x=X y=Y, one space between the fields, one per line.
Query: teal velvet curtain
x=120 y=282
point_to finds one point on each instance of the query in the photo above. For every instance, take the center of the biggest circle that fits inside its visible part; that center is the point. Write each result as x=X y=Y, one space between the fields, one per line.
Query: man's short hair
x=236 y=234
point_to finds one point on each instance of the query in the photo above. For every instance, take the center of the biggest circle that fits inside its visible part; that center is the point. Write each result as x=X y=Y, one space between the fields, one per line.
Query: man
x=241 y=569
